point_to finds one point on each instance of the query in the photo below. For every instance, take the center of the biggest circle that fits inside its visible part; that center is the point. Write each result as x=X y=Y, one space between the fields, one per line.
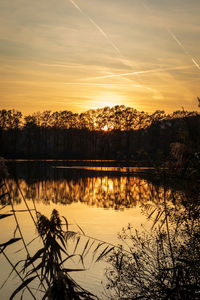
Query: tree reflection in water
x=162 y=264
x=106 y=192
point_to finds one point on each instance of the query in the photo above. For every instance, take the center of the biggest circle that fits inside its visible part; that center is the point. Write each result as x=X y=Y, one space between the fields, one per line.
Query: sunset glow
x=79 y=55
x=105 y=128
x=108 y=99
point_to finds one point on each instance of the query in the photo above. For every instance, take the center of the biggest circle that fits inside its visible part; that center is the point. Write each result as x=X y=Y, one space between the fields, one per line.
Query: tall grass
x=163 y=263
x=49 y=269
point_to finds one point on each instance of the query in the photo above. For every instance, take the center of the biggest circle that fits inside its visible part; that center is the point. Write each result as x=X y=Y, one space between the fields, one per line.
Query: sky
x=86 y=54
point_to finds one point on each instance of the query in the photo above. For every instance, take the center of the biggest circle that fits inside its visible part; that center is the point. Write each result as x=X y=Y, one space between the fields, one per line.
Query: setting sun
x=105 y=128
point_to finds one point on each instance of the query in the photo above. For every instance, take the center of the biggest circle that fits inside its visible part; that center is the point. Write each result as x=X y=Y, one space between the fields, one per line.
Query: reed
x=47 y=267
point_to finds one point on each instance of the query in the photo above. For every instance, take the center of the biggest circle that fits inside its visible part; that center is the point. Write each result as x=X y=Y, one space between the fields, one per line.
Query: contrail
x=196 y=64
x=176 y=40
x=104 y=34
x=140 y=72
x=184 y=49
x=124 y=74
x=116 y=49
x=97 y=27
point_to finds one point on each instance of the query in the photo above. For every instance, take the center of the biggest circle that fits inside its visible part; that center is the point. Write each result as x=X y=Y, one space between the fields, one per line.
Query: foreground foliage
x=165 y=262
x=50 y=263
x=46 y=273
x=155 y=269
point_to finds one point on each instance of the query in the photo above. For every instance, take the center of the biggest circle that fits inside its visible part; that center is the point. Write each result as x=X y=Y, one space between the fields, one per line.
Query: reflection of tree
x=117 y=192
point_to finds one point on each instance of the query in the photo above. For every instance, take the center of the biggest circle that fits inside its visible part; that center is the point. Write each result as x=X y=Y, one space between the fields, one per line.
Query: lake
x=100 y=197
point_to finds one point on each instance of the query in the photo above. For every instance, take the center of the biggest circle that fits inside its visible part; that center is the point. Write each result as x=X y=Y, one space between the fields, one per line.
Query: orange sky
x=77 y=55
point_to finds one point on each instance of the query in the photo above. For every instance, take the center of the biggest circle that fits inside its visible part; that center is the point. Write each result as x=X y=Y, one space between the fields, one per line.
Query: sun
x=105 y=128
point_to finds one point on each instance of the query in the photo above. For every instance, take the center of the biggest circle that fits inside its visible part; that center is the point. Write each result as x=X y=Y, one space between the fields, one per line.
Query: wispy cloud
x=146 y=6
x=103 y=33
x=175 y=38
x=140 y=72
x=82 y=49
x=183 y=47
x=125 y=75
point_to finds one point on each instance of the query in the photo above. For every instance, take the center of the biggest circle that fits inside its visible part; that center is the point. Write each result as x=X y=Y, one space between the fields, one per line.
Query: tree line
x=109 y=133
x=118 y=117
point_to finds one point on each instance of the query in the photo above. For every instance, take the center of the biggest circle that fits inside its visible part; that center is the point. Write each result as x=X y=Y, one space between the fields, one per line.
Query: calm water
x=101 y=197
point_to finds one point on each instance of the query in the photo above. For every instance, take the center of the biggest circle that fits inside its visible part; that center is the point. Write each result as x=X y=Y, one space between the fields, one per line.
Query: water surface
x=101 y=197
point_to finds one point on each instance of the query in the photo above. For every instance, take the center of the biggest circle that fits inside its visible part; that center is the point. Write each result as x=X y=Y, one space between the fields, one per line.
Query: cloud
x=104 y=34
x=140 y=72
x=184 y=49
x=75 y=49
